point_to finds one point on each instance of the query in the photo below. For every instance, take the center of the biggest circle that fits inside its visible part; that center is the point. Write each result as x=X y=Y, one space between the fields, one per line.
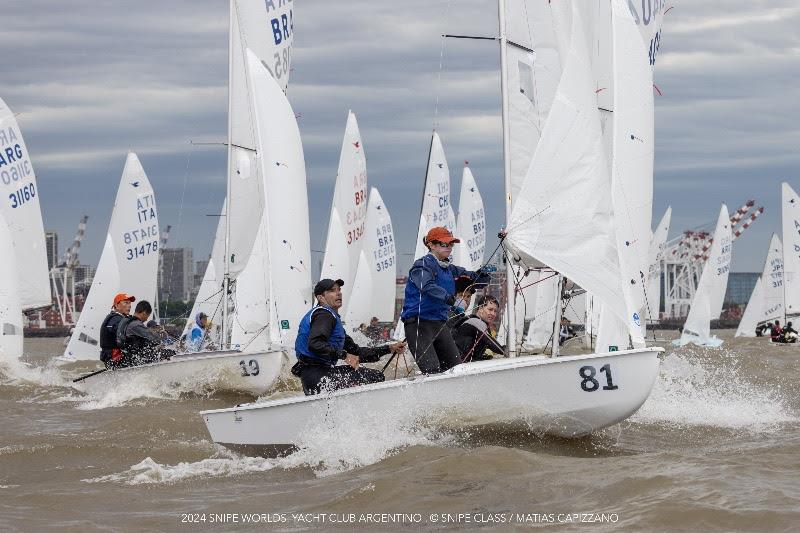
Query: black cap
x=326 y=285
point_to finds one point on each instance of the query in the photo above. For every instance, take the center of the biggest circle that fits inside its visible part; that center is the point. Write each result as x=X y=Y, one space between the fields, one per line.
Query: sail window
x=87 y=339
x=10 y=329
x=526 y=80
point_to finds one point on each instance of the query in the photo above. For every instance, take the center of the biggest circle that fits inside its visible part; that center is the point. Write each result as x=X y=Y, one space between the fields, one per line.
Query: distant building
x=51 y=243
x=199 y=271
x=740 y=286
x=176 y=279
x=84 y=275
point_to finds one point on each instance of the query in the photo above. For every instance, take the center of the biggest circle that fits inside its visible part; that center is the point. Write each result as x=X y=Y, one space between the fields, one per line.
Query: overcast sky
x=93 y=80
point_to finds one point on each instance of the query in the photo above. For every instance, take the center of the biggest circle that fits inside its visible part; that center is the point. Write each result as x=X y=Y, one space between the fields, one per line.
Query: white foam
x=689 y=392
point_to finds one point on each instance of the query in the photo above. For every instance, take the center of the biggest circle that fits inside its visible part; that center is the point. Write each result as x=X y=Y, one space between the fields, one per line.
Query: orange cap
x=122 y=297
x=440 y=234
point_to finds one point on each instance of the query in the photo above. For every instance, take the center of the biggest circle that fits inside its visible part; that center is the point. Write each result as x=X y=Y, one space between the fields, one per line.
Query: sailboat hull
x=566 y=396
x=252 y=373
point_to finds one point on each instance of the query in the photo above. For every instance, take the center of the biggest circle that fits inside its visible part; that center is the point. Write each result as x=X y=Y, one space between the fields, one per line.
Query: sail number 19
x=590 y=384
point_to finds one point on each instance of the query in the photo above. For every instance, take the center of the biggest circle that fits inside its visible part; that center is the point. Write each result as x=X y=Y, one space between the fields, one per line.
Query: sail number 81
x=590 y=384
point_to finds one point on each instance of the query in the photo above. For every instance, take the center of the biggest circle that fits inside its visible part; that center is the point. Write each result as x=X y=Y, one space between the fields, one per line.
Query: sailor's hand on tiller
x=352 y=360
x=398 y=347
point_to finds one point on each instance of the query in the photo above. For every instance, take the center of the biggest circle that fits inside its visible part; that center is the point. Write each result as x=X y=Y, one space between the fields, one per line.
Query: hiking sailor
x=139 y=344
x=321 y=342
x=197 y=334
x=473 y=334
x=109 y=349
x=430 y=292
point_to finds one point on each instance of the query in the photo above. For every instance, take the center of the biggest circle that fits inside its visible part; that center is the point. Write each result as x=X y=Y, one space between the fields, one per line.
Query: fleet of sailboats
x=578 y=147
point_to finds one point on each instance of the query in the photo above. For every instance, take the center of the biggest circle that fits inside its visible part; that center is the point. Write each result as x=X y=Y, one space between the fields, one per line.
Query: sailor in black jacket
x=473 y=334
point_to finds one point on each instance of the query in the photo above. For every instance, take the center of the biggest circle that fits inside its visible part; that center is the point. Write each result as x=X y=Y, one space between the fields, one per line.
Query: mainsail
x=129 y=262
x=790 y=215
x=658 y=246
x=772 y=280
x=710 y=293
x=346 y=229
x=436 y=209
x=22 y=213
x=470 y=225
x=10 y=309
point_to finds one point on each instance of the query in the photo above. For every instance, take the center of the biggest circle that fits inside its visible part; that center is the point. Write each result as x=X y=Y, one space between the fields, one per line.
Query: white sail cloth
x=10 y=308
x=710 y=293
x=129 y=262
x=658 y=246
x=436 y=209
x=772 y=280
x=470 y=225
x=790 y=216
x=562 y=215
x=23 y=215
x=753 y=312
x=346 y=229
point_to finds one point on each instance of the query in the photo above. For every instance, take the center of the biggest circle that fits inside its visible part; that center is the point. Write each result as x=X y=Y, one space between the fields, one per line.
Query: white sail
x=10 y=308
x=470 y=225
x=129 y=262
x=710 y=293
x=790 y=215
x=267 y=28
x=436 y=210
x=348 y=213
x=22 y=212
x=649 y=17
x=282 y=166
x=753 y=313
x=658 y=246
x=562 y=215
x=360 y=309
x=534 y=56
x=772 y=281
x=381 y=254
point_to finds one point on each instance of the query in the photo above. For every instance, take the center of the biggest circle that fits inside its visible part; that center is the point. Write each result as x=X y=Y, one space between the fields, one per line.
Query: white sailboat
x=566 y=396
x=374 y=288
x=710 y=293
x=346 y=228
x=753 y=312
x=790 y=217
x=268 y=261
x=772 y=279
x=129 y=262
x=10 y=308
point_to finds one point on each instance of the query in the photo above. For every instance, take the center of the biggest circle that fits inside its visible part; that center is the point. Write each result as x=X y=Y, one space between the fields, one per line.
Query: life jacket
x=418 y=305
x=304 y=330
x=109 y=349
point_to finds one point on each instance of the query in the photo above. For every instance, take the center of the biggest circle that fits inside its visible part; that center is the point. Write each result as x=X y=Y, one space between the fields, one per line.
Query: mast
x=511 y=337
x=226 y=279
x=557 y=322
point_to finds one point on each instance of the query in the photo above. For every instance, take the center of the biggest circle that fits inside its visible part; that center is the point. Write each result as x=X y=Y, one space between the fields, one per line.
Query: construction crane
x=62 y=277
x=687 y=254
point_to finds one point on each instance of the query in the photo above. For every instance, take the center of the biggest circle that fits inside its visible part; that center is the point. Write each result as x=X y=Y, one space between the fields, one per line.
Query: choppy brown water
x=717 y=446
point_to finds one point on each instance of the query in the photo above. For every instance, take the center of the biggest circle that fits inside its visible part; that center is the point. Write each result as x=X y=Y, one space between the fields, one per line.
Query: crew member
x=430 y=292
x=139 y=344
x=465 y=289
x=198 y=333
x=788 y=334
x=322 y=341
x=473 y=334
x=775 y=336
x=109 y=349
x=565 y=332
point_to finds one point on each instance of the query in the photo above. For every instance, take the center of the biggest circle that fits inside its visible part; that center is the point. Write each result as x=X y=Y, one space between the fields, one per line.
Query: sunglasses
x=443 y=244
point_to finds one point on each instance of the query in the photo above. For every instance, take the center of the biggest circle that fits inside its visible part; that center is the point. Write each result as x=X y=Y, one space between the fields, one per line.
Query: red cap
x=121 y=297
x=440 y=234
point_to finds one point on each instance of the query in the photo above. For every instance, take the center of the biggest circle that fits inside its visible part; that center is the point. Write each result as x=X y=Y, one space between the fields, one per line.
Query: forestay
x=129 y=262
x=790 y=204
x=23 y=215
x=710 y=293
x=470 y=225
x=346 y=228
x=10 y=309
x=753 y=312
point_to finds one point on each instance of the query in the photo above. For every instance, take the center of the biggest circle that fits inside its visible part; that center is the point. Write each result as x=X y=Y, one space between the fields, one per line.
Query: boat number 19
x=250 y=368
x=590 y=384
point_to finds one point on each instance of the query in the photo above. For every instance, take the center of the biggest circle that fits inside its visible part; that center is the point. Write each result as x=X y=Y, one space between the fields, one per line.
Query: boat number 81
x=250 y=368
x=590 y=384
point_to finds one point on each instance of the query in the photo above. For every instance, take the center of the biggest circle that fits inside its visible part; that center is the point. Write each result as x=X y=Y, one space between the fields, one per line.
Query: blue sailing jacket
x=431 y=288
x=336 y=339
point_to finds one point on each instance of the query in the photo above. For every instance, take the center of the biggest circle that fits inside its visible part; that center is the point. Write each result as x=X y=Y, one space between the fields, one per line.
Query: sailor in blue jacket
x=430 y=292
x=322 y=341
